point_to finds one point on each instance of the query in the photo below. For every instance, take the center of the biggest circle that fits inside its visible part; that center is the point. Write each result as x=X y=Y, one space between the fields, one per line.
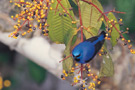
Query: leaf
x=90 y=15
x=90 y=32
x=74 y=6
x=114 y=34
x=68 y=63
x=104 y=2
x=61 y=30
x=107 y=67
x=4 y=58
x=127 y=6
x=60 y=26
x=75 y=1
x=37 y=73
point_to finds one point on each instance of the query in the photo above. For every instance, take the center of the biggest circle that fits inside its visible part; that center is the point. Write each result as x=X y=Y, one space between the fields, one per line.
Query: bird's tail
x=103 y=33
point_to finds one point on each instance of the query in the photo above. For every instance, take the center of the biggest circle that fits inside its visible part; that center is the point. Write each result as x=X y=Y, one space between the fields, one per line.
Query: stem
x=65 y=58
x=81 y=71
x=106 y=18
x=80 y=17
x=46 y=14
x=81 y=24
x=22 y=24
x=114 y=12
x=65 y=9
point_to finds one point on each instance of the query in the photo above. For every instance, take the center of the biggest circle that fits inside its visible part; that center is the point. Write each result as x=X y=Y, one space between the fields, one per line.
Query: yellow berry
x=123 y=39
x=10 y=1
x=76 y=64
x=7 y=83
x=102 y=19
x=111 y=26
x=99 y=82
x=121 y=20
x=12 y=16
x=52 y=1
x=50 y=8
x=100 y=54
x=79 y=76
x=64 y=71
x=75 y=78
x=129 y=41
x=64 y=11
x=1 y=81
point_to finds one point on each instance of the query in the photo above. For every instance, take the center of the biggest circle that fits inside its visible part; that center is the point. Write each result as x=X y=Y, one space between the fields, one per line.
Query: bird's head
x=77 y=54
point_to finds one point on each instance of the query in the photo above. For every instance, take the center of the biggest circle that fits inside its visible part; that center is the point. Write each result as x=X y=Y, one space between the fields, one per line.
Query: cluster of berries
x=34 y=10
x=89 y=82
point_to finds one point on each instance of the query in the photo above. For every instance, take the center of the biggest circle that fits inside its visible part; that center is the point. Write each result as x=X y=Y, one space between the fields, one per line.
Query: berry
x=34 y=28
x=17 y=35
x=65 y=15
x=62 y=76
x=43 y=32
x=24 y=5
x=47 y=31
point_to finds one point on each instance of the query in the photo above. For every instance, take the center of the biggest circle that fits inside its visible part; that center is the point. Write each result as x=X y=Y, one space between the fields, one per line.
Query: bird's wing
x=92 y=39
x=97 y=47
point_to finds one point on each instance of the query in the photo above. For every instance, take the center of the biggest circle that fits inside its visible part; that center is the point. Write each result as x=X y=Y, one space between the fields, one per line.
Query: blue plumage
x=86 y=50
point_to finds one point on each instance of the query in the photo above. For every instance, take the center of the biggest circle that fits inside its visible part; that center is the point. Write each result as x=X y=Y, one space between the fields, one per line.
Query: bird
x=86 y=50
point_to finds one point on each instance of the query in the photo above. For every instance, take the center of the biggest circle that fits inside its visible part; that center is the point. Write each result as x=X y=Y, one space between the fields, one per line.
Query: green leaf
x=37 y=73
x=90 y=15
x=74 y=5
x=75 y=1
x=107 y=67
x=114 y=34
x=90 y=32
x=127 y=6
x=60 y=26
x=61 y=29
x=4 y=58
x=68 y=63
x=104 y=2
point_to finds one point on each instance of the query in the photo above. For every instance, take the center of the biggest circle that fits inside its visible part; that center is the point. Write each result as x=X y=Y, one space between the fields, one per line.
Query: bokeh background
x=25 y=74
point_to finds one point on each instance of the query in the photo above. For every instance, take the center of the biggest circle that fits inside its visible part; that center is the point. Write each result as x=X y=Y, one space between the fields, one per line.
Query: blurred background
x=25 y=72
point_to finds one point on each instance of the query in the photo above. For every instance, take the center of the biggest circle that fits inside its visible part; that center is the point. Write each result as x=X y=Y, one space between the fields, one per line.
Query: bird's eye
x=78 y=55
x=73 y=55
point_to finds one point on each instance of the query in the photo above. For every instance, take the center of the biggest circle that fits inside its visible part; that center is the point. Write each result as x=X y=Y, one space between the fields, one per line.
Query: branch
x=65 y=9
x=37 y=49
x=107 y=19
x=80 y=17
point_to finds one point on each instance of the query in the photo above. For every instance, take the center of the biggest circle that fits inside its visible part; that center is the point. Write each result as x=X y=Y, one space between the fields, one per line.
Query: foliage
x=60 y=26
x=37 y=73
x=127 y=6
x=114 y=33
x=107 y=67
x=56 y=19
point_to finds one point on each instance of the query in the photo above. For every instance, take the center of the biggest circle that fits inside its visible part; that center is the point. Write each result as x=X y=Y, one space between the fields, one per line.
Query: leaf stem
x=80 y=17
x=81 y=71
x=81 y=25
x=106 y=18
x=65 y=58
x=65 y=9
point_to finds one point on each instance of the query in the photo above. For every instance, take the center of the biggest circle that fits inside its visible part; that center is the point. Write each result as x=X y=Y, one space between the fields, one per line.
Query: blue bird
x=86 y=50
